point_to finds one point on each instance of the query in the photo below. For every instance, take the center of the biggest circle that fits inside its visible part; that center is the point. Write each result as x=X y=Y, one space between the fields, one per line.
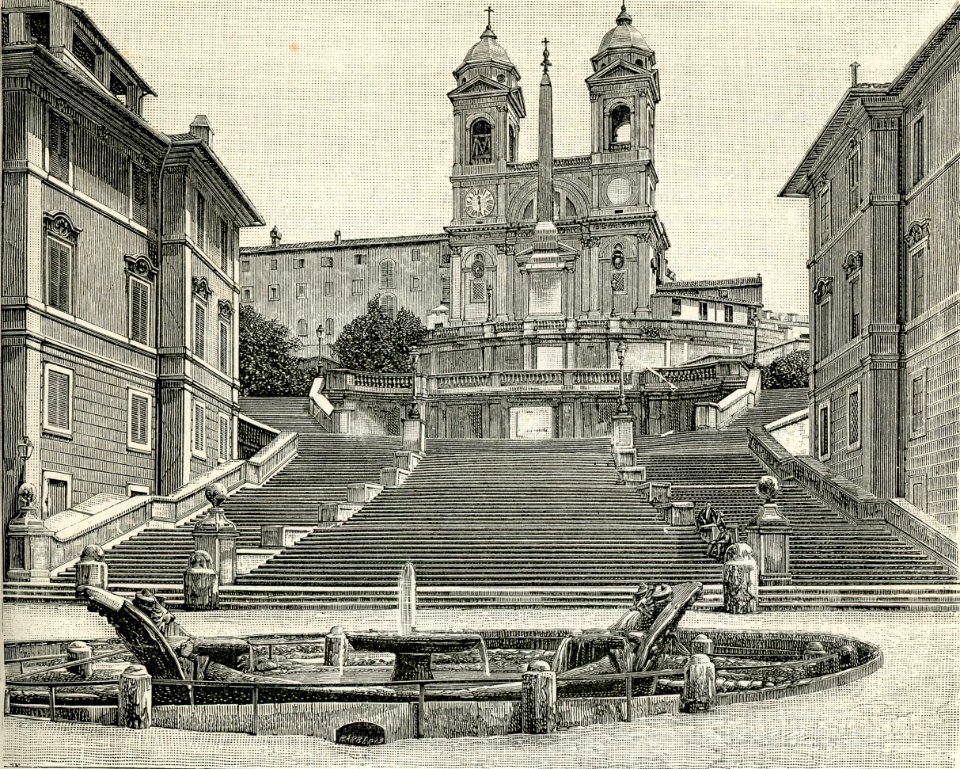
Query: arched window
x=301 y=327
x=513 y=144
x=620 y=127
x=388 y=274
x=389 y=304
x=481 y=142
x=328 y=327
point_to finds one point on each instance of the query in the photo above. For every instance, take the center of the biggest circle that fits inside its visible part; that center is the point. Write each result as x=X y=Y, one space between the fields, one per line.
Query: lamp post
x=621 y=351
x=613 y=298
x=489 y=302
x=24 y=452
x=414 y=411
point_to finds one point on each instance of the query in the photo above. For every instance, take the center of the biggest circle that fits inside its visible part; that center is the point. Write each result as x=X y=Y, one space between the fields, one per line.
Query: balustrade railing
x=536 y=377
x=602 y=377
x=253 y=436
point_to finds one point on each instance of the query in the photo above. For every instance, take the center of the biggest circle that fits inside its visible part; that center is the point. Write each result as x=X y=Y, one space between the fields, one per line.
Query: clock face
x=619 y=191
x=478 y=269
x=480 y=202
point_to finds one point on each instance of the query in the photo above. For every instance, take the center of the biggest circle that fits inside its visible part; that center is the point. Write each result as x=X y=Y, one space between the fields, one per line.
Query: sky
x=334 y=115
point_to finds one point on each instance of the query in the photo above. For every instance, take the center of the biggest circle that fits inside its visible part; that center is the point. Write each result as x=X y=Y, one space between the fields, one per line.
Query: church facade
x=558 y=272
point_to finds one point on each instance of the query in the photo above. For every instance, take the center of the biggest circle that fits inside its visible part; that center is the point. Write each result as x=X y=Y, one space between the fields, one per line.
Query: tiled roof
x=354 y=243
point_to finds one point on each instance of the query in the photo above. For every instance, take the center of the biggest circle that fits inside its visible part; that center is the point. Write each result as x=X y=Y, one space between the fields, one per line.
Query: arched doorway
x=361 y=733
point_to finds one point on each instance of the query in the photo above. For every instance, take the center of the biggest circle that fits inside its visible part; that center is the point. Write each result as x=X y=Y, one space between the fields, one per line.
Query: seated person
x=718 y=546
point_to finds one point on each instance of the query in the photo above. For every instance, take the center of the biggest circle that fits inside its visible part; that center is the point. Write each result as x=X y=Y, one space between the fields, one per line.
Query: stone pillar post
x=699 y=684
x=80 y=652
x=414 y=437
x=28 y=540
x=741 y=585
x=623 y=431
x=135 y=698
x=768 y=534
x=538 y=699
x=91 y=571
x=335 y=648
x=217 y=536
x=702 y=645
x=201 y=584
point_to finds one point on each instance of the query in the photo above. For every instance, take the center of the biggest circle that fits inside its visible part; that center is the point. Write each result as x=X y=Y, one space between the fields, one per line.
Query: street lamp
x=613 y=297
x=24 y=452
x=414 y=411
x=621 y=352
x=489 y=303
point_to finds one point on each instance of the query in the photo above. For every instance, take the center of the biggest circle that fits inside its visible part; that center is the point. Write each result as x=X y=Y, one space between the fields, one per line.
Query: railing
x=52 y=687
x=253 y=436
x=68 y=543
x=913 y=526
x=535 y=378
x=550 y=325
x=602 y=377
x=716 y=416
x=509 y=326
x=378 y=381
x=462 y=381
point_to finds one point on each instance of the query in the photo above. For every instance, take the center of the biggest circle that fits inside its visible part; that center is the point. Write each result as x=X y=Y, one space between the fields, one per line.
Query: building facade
x=316 y=288
x=881 y=181
x=119 y=275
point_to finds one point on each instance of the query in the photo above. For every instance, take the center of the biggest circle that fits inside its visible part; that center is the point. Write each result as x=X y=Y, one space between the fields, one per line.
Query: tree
x=788 y=371
x=376 y=342
x=268 y=364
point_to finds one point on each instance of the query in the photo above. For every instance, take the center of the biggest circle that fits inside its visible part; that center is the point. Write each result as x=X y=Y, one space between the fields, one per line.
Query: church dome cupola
x=624 y=40
x=487 y=58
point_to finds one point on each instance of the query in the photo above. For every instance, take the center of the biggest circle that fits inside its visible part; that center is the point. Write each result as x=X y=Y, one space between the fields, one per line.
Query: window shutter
x=198 y=426
x=141 y=187
x=224 y=348
x=224 y=438
x=58 y=283
x=58 y=400
x=139 y=311
x=139 y=416
x=199 y=330
x=59 y=146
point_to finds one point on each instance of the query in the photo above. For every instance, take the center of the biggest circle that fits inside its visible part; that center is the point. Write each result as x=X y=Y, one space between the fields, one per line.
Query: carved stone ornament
x=141 y=266
x=444 y=259
x=60 y=224
x=917 y=232
x=225 y=309
x=201 y=287
x=852 y=262
x=823 y=288
x=26 y=495
x=649 y=332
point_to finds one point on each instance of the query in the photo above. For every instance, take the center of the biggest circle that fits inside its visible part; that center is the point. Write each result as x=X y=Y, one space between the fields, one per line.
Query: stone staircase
x=488 y=513
x=825 y=547
x=325 y=464
x=771 y=406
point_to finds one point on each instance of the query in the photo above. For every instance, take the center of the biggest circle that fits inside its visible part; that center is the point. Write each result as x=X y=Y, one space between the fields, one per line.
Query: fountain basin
x=413 y=651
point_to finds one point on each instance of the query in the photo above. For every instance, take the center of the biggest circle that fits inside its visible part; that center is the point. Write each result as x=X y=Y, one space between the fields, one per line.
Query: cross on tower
x=489 y=13
x=546 y=55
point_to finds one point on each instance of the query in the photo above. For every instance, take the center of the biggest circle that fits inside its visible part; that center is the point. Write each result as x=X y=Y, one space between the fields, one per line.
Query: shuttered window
x=139 y=311
x=59 y=274
x=141 y=195
x=199 y=330
x=387 y=274
x=224 y=438
x=225 y=246
x=58 y=400
x=59 y=146
x=138 y=421
x=225 y=347
x=199 y=441
x=201 y=220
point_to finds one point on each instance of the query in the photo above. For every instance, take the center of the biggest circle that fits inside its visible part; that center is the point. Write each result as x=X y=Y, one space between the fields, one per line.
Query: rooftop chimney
x=200 y=127
x=275 y=237
x=853 y=74
x=336 y=236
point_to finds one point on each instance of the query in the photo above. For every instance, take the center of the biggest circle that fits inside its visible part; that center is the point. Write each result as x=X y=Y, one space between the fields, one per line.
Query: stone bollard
x=135 y=698
x=699 y=684
x=79 y=651
x=702 y=645
x=538 y=699
x=741 y=585
x=201 y=584
x=91 y=571
x=335 y=648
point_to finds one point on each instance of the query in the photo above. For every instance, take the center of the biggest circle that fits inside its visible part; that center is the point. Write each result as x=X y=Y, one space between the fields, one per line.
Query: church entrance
x=531 y=423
